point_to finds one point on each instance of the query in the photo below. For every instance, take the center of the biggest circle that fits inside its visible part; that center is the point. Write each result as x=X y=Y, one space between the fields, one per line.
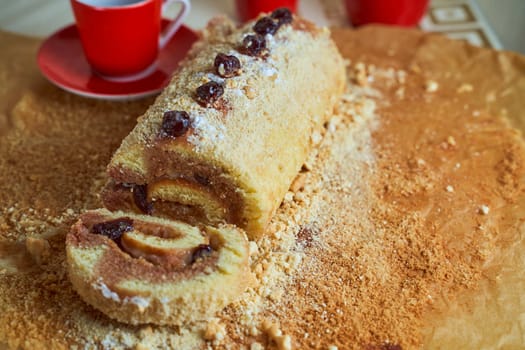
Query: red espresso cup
x=121 y=38
x=249 y=9
x=394 y=12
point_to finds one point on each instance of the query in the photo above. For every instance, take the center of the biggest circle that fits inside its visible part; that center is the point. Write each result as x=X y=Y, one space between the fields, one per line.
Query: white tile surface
x=471 y=36
x=451 y=14
x=507 y=19
x=462 y=20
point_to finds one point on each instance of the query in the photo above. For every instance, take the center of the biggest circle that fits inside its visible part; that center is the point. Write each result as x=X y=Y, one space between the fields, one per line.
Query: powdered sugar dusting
x=141 y=302
x=205 y=130
x=268 y=70
x=215 y=78
x=106 y=292
x=109 y=342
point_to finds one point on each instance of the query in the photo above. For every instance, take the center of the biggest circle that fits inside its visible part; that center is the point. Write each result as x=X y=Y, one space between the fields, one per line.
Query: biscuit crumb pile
x=398 y=209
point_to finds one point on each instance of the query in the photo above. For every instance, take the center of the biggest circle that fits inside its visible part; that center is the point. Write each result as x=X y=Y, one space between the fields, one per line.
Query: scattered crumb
x=256 y=346
x=464 y=88
x=38 y=248
x=431 y=86
x=250 y=92
x=288 y=197
x=401 y=76
x=400 y=93
x=283 y=342
x=316 y=138
x=232 y=83
x=298 y=183
x=276 y=295
x=483 y=209
x=214 y=330
x=449 y=188
x=414 y=68
x=254 y=249
x=360 y=74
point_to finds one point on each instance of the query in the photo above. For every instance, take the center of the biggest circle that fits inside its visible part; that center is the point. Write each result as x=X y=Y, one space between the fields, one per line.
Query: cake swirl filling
x=181 y=189
x=159 y=245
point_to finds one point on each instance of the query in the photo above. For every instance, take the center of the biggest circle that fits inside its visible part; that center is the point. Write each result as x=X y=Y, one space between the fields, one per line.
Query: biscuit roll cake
x=225 y=139
x=143 y=269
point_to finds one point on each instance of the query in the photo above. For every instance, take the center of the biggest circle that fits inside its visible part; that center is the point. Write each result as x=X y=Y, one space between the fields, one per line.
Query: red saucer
x=61 y=59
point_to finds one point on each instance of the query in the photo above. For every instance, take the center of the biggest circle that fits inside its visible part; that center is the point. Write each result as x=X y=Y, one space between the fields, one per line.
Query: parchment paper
x=491 y=316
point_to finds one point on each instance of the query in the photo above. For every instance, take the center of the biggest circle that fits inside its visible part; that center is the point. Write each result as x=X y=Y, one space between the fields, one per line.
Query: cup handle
x=175 y=24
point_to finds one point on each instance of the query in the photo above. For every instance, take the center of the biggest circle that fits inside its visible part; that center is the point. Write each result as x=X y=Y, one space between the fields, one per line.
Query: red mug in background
x=394 y=12
x=122 y=38
x=249 y=9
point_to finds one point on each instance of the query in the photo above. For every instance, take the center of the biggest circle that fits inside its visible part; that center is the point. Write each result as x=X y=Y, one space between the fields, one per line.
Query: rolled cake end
x=140 y=269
